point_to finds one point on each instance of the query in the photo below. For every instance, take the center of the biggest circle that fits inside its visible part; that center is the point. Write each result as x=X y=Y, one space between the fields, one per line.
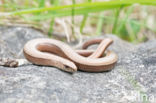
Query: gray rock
x=133 y=78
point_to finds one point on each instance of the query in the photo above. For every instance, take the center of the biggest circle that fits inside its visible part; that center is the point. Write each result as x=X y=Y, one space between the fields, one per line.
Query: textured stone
x=133 y=77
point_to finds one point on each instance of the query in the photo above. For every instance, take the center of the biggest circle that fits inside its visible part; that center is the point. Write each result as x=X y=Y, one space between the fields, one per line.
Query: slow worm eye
x=69 y=69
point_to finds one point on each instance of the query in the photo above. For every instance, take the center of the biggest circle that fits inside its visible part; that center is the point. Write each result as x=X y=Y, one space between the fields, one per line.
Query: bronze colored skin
x=50 y=52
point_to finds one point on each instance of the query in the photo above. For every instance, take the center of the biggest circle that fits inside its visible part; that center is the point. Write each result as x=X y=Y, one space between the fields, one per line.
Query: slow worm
x=50 y=52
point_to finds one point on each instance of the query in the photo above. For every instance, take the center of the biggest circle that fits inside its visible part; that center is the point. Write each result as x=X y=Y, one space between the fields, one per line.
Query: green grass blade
x=100 y=24
x=117 y=14
x=50 y=31
x=79 y=11
x=122 y=24
x=41 y=3
x=73 y=21
x=92 y=5
x=83 y=23
x=52 y=22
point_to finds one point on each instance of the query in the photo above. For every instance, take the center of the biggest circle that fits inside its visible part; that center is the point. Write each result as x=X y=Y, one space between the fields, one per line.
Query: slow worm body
x=50 y=52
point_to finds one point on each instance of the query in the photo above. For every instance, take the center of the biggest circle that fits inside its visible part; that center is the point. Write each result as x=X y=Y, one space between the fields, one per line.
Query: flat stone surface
x=133 y=78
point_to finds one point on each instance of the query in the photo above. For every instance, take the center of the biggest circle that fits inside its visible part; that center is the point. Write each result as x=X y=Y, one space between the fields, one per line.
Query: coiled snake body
x=50 y=52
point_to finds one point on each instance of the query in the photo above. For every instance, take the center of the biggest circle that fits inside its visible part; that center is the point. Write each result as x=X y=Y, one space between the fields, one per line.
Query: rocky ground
x=132 y=80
